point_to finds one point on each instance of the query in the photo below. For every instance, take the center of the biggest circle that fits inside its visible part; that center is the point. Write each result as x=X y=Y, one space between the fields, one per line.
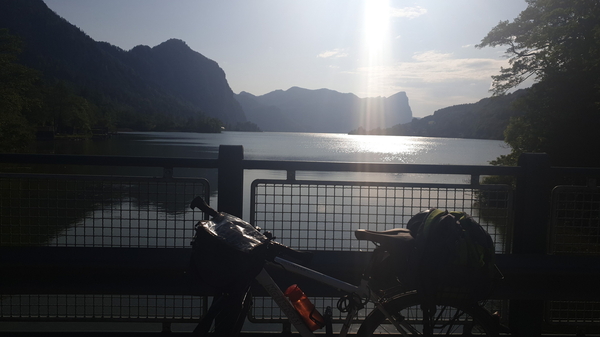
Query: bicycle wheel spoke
x=445 y=320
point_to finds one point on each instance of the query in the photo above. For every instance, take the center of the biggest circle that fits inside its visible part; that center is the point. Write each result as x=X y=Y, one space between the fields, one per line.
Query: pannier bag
x=227 y=253
x=454 y=257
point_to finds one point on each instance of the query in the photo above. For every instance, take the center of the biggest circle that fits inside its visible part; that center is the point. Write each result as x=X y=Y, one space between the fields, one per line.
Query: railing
x=122 y=250
x=322 y=216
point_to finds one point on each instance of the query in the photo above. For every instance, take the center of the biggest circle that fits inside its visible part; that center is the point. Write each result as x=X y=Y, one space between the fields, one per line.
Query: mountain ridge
x=139 y=82
x=484 y=119
x=322 y=110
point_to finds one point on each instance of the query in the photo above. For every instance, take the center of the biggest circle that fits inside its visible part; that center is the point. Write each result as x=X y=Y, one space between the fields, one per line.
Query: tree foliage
x=557 y=42
x=31 y=99
x=548 y=37
x=17 y=95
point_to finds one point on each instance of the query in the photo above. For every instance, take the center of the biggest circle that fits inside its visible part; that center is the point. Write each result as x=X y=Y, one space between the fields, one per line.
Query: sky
x=370 y=48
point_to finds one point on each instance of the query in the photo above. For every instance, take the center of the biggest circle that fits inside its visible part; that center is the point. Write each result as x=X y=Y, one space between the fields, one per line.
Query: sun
x=376 y=54
x=376 y=43
x=377 y=26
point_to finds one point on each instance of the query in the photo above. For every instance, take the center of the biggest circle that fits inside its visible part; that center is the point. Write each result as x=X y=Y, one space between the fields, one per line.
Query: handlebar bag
x=227 y=253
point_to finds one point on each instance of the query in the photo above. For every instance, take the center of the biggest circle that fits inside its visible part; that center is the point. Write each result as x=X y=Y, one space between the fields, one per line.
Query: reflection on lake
x=98 y=211
x=291 y=146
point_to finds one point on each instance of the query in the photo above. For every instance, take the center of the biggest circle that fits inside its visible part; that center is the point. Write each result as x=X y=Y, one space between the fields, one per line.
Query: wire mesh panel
x=573 y=312
x=98 y=211
x=102 y=307
x=54 y=210
x=318 y=215
x=324 y=215
x=265 y=310
x=575 y=230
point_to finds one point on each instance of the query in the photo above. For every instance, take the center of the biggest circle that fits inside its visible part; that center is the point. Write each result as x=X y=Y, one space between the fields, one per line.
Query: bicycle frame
x=265 y=280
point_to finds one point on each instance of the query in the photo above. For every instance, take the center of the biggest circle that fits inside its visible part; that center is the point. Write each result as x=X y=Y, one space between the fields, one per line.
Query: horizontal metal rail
x=62 y=159
x=284 y=165
x=259 y=164
x=381 y=168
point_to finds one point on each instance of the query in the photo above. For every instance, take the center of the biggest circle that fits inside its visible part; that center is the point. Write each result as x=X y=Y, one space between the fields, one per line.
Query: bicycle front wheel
x=407 y=319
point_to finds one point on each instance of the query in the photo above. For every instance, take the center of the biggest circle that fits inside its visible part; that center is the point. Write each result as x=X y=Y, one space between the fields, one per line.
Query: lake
x=326 y=147
x=291 y=146
x=258 y=146
x=295 y=146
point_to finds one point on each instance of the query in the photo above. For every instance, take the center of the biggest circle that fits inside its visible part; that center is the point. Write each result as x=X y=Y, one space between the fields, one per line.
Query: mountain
x=485 y=119
x=185 y=74
x=168 y=79
x=323 y=110
x=268 y=118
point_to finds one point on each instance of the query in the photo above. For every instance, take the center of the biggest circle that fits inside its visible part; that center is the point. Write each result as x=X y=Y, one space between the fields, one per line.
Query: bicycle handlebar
x=199 y=203
x=281 y=249
x=275 y=247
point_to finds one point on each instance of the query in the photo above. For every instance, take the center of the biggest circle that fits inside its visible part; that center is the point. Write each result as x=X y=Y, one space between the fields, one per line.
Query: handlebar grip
x=199 y=203
x=303 y=257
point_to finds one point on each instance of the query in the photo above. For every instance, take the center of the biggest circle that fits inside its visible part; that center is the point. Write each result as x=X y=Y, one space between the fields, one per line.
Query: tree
x=558 y=43
x=17 y=95
x=67 y=111
x=548 y=37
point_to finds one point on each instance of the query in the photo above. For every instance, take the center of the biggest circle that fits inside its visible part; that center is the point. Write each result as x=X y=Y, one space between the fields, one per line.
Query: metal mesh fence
x=102 y=307
x=575 y=230
x=98 y=211
x=68 y=211
x=575 y=227
x=573 y=312
x=317 y=215
x=324 y=215
x=265 y=310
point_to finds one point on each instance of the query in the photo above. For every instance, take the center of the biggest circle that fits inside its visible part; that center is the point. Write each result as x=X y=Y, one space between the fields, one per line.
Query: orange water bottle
x=305 y=308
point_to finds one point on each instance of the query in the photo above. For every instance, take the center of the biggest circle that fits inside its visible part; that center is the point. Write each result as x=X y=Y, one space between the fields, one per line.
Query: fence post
x=231 y=179
x=532 y=214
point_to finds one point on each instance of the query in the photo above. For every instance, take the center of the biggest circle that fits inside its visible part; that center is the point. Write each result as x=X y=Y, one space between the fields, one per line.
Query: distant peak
x=176 y=41
x=173 y=43
x=140 y=47
x=298 y=89
x=295 y=88
x=245 y=93
x=399 y=94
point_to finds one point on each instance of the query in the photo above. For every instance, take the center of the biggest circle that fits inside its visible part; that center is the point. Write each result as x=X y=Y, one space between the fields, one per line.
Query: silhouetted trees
x=558 y=43
x=19 y=95
x=28 y=103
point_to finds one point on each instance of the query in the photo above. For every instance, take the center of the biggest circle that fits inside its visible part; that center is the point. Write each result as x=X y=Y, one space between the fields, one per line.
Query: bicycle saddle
x=396 y=236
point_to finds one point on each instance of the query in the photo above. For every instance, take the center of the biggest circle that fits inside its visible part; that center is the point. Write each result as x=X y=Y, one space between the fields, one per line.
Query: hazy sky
x=366 y=47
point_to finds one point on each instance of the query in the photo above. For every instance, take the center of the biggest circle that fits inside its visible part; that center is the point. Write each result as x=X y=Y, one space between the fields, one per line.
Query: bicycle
x=397 y=309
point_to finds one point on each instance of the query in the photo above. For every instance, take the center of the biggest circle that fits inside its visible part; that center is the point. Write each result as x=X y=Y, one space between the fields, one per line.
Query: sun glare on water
x=388 y=148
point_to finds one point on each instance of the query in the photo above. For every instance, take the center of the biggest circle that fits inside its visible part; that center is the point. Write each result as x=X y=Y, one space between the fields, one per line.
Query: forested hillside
x=486 y=119
x=73 y=84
